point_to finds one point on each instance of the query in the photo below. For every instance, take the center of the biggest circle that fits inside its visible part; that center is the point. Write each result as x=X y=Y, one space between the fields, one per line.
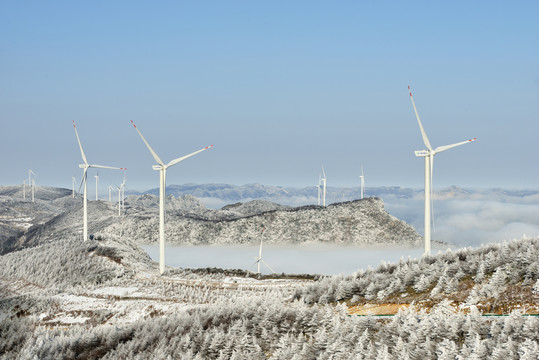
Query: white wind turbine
x=259 y=259
x=24 y=189
x=84 y=179
x=162 y=168
x=31 y=182
x=429 y=162
x=30 y=173
x=362 y=178
x=111 y=189
x=324 y=187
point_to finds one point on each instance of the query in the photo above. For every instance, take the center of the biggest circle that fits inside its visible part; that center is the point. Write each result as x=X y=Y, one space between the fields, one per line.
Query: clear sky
x=279 y=87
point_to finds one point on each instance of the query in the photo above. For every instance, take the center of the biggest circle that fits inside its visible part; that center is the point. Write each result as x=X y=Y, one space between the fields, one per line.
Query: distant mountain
x=218 y=195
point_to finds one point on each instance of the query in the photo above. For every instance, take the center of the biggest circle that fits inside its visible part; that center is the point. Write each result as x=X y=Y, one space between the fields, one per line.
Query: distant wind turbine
x=31 y=182
x=24 y=189
x=429 y=162
x=259 y=259
x=162 y=168
x=324 y=187
x=111 y=189
x=84 y=179
x=30 y=173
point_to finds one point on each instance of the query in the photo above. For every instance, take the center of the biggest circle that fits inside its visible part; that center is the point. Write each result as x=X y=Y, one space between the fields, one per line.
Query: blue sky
x=278 y=87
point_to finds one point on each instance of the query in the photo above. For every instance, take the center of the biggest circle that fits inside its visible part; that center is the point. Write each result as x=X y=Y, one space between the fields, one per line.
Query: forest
x=121 y=309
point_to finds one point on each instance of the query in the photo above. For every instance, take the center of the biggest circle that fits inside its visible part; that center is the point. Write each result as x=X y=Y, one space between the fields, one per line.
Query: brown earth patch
x=376 y=309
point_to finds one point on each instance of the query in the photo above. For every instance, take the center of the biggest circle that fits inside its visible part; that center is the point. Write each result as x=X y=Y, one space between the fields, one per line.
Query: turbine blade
x=80 y=145
x=154 y=154
x=269 y=267
x=175 y=161
x=83 y=179
x=423 y=133
x=105 y=167
x=439 y=149
x=323 y=171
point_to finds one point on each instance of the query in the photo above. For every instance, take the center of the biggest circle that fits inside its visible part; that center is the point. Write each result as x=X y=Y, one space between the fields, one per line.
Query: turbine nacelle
x=422 y=153
x=159 y=167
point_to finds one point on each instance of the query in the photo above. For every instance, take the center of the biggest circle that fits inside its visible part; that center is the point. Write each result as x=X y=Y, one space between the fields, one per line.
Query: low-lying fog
x=322 y=259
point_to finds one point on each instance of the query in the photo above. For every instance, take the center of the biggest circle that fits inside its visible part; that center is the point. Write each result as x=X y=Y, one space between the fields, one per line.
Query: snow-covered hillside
x=58 y=215
x=105 y=299
x=357 y=222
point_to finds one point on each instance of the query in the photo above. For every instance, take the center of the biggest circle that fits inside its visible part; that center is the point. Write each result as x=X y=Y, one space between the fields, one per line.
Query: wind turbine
x=162 y=168
x=84 y=179
x=31 y=182
x=30 y=173
x=324 y=187
x=362 y=178
x=24 y=189
x=96 y=182
x=429 y=162
x=111 y=189
x=259 y=259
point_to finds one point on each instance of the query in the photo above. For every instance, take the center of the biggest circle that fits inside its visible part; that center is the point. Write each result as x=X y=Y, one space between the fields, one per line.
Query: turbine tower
x=119 y=198
x=122 y=189
x=162 y=168
x=73 y=181
x=324 y=187
x=362 y=178
x=96 y=190
x=84 y=179
x=33 y=188
x=429 y=162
